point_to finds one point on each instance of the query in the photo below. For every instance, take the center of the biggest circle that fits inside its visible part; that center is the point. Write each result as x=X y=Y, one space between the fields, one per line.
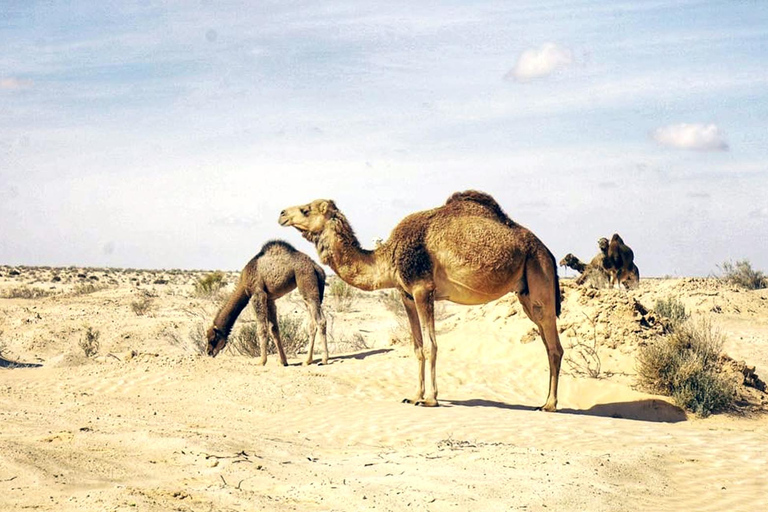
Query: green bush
x=673 y=311
x=743 y=275
x=210 y=284
x=686 y=366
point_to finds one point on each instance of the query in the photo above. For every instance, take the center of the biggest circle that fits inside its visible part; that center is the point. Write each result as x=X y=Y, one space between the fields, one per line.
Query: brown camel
x=594 y=271
x=276 y=271
x=620 y=263
x=467 y=251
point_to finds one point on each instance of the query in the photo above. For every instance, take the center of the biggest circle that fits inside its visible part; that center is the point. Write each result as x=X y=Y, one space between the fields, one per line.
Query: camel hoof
x=306 y=363
x=421 y=402
x=547 y=408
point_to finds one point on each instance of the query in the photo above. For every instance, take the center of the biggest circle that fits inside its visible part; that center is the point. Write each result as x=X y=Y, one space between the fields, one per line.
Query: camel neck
x=358 y=267
x=227 y=315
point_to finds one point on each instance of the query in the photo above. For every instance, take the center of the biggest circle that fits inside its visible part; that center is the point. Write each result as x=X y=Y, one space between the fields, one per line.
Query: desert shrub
x=582 y=357
x=195 y=340
x=673 y=311
x=210 y=284
x=87 y=289
x=293 y=335
x=393 y=302
x=342 y=294
x=25 y=292
x=142 y=305
x=685 y=365
x=89 y=343
x=743 y=275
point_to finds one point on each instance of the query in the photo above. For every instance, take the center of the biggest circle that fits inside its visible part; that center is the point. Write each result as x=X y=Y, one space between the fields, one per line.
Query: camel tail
x=558 y=295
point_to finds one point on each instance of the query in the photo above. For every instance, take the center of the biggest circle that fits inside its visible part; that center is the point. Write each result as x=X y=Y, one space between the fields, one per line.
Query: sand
x=149 y=424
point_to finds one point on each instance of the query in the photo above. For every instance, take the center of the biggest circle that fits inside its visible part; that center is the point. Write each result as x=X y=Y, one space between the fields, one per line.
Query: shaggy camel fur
x=620 y=263
x=467 y=251
x=276 y=271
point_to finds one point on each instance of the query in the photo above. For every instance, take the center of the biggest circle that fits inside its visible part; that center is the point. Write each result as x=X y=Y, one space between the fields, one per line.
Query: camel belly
x=471 y=291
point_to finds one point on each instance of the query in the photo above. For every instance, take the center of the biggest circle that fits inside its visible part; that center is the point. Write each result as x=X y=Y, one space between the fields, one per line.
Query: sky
x=170 y=134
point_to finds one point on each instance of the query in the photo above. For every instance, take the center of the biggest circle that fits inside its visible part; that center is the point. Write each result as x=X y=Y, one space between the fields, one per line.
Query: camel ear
x=327 y=206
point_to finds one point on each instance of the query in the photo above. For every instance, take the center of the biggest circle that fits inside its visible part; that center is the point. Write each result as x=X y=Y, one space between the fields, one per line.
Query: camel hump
x=482 y=199
x=275 y=245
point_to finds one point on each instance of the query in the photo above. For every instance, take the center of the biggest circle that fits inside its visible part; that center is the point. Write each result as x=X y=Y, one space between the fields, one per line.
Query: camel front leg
x=425 y=306
x=275 y=331
x=418 y=346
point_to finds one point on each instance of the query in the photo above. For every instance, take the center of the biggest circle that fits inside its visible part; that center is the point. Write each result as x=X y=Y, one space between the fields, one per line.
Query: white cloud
x=12 y=83
x=698 y=137
x=540 y=62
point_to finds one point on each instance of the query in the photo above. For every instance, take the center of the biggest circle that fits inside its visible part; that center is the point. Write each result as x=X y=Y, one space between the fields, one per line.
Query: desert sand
x=149 y=424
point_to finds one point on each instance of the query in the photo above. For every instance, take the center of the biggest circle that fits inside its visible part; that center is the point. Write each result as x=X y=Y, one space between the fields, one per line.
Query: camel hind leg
x=311 y=289
x=539 y=305
x=317 y=326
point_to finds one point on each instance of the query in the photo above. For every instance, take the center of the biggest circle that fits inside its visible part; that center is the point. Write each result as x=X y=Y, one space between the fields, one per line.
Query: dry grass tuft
x=89 y=343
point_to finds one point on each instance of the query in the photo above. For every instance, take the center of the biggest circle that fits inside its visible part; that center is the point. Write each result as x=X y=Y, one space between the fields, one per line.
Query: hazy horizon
x=170 y=134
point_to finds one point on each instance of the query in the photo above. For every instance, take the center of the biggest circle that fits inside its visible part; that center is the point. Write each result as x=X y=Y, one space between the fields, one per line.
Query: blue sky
x=171 y=134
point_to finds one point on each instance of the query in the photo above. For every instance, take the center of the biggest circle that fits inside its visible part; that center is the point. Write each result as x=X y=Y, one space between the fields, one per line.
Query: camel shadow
x=357 y=355
x=5 y=363
x=650 y=410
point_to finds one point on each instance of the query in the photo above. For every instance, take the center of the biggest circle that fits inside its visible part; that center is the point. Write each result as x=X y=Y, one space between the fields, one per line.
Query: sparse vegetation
x=293 y=335
x=89 y=343
x=685 y=365
x=673 y=311
x=342 y=294
x=195 y=340
x=87 y=288
x=742 y=274
x=210 y=284
x=142 y=305
x=25 y=292
x=582 y=358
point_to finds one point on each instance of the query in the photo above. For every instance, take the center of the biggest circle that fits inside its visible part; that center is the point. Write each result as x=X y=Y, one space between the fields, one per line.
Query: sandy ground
x=149 y=424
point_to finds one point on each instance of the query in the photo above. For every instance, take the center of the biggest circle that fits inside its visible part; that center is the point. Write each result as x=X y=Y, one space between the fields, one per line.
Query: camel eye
x=304 y=211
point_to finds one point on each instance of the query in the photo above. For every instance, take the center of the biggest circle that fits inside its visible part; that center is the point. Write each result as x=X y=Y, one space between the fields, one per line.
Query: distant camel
x=467 y=251
x=593 y=271
x=620 y=263
x=277 y=270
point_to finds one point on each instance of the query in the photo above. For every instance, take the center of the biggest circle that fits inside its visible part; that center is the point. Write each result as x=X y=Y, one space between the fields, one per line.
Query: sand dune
x=149 y=424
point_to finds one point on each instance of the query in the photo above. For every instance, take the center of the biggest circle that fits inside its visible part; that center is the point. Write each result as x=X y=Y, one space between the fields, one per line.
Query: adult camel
x=466 y=251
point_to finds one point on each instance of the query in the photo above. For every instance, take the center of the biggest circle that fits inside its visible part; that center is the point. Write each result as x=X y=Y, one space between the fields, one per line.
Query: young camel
x=276 y=271
x=467 y=251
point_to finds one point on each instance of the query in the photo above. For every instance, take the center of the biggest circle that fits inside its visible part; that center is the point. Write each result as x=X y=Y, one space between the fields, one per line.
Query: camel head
x=217 y=340
x=310 y=219
x=568 y=260
x=603 y=244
